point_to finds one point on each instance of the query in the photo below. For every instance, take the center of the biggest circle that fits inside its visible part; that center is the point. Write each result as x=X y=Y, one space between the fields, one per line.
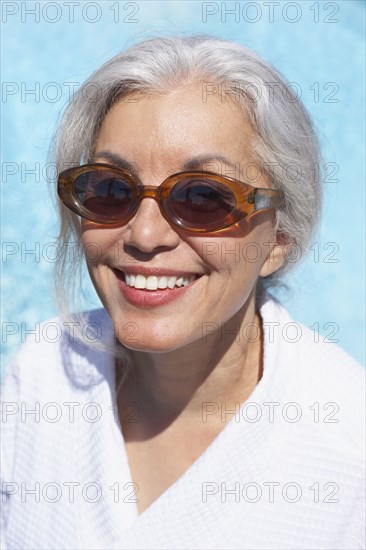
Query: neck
x=186 y=383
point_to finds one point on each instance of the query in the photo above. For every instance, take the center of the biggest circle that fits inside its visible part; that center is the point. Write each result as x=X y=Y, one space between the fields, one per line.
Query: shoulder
x=46 y=358
x=51 y=370
x=316 y=356
x=323 y=380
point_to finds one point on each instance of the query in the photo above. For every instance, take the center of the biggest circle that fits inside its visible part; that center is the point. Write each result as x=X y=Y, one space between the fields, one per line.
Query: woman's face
x=158 y=136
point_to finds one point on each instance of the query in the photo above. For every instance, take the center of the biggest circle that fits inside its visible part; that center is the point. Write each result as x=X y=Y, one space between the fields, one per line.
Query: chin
x=151 y=346
x=150 y=341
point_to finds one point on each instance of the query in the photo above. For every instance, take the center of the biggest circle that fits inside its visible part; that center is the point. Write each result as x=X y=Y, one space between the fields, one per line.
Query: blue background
x=317 y=45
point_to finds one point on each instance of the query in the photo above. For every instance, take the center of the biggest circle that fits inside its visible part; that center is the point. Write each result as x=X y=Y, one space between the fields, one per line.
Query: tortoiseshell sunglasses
x=198 y=201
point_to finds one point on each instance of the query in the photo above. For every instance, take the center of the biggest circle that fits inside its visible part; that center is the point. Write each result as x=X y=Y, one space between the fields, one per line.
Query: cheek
x=235 y=257
x=98 y=245
x=241 y=253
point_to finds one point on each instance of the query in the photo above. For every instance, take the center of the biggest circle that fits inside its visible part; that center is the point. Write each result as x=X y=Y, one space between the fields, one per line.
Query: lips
x=142 y=288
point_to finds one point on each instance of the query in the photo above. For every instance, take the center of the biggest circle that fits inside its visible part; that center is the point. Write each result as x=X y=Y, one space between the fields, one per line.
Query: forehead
x=166 y=130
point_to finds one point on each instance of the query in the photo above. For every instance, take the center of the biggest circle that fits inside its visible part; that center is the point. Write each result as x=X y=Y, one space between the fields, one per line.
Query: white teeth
x=163 y=282
x=140 y=282
x=130 y=279
x=153 y=283
x=171 y=282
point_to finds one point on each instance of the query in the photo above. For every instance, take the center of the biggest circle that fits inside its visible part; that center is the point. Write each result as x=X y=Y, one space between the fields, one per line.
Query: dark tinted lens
x=201 y=201
x=103 y=193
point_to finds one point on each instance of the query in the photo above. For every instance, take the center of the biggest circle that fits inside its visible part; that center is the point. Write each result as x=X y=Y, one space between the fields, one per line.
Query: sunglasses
x=197 y=201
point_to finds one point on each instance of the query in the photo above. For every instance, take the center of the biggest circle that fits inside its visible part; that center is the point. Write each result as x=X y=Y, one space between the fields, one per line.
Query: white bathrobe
x=286 y=472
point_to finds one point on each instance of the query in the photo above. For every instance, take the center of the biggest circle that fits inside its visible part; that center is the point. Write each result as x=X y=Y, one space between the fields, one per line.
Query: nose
x=148 y=230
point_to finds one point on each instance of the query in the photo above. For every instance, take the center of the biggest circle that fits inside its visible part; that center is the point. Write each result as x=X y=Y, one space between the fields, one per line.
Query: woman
x=191 y=411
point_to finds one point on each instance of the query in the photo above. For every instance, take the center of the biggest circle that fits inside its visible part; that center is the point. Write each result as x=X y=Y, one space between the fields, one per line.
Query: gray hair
x=286 y=146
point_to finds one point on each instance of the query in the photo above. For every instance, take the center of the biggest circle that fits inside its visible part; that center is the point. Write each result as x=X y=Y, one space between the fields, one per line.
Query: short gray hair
x=286 y=145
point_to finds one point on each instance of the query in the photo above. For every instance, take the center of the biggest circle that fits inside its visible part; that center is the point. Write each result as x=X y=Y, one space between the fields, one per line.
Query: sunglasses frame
x=249 y=199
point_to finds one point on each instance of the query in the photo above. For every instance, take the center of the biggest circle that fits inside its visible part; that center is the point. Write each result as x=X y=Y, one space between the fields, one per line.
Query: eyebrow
x=199 y=161
x=117 y=160
x=195 y=163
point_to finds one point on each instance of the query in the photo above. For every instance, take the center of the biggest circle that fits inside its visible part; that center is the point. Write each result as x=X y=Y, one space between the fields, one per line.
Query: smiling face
x=154 y=137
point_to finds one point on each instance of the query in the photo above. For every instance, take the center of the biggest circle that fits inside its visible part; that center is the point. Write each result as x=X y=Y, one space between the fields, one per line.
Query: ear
x=277 y=256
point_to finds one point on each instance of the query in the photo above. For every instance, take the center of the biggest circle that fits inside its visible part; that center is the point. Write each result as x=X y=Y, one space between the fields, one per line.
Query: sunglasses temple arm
x=267 y=198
